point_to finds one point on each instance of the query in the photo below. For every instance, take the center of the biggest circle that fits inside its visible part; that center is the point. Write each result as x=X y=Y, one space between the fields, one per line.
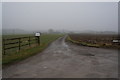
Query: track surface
x=66 y=60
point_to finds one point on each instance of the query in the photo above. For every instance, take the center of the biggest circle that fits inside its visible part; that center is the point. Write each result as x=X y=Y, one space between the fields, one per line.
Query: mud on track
x=66 y=60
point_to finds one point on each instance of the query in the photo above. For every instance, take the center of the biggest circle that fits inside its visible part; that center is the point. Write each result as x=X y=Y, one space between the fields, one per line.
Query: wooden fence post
x=38 y=40
x=29 y=40
x=3 y=46
x=19 y=43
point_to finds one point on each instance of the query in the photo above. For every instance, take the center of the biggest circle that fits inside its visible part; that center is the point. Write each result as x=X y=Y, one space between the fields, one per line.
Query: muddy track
x=66 y=60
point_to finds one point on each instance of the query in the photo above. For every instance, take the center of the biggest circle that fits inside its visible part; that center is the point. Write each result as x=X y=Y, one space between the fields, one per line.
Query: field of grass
x=45 y=39
x=92 y=40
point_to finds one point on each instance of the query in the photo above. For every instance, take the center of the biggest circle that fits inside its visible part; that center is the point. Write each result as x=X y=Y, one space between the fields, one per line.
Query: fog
x=67 y=16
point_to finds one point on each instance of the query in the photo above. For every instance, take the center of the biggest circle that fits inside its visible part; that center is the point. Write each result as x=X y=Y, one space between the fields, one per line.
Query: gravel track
x=66 y=60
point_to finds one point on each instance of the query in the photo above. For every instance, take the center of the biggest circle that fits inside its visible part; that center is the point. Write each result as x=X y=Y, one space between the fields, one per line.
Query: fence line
x=18 y=42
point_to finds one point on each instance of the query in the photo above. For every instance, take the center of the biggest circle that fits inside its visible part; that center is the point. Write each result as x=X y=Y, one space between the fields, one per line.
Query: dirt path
x=66 y=60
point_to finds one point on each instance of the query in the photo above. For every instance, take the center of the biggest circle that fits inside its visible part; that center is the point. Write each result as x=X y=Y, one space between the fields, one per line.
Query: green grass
x=16 y=35
x=46 y=39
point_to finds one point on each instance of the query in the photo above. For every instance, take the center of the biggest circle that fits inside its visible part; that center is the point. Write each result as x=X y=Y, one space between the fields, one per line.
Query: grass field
x=45 y=39
x=92 y=40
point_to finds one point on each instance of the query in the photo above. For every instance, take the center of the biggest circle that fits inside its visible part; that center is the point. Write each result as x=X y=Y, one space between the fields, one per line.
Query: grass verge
x=46 y=39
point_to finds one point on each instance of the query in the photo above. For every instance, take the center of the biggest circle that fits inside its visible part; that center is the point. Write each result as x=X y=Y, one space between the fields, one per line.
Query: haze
x=81 y=16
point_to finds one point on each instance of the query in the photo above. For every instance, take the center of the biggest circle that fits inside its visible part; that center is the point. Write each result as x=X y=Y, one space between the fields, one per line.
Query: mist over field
x=91 y=17
x=76 y=40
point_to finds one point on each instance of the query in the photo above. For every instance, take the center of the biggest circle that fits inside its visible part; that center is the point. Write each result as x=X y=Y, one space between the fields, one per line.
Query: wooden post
x=38 y=40
x=3 y=46
x=19 y=43
x=29 y=40
x=38 y=37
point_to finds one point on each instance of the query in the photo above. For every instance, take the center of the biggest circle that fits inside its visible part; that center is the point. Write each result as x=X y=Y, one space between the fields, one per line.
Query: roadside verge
x=23 y=54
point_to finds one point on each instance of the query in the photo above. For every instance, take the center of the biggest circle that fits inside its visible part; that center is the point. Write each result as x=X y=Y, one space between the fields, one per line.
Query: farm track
x=66 y=60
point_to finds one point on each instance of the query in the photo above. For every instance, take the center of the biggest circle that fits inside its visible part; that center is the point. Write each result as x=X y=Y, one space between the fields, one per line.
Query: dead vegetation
x=95 y=40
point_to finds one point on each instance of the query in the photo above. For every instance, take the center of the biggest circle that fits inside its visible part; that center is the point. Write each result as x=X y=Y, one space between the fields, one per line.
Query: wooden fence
x=19 y=43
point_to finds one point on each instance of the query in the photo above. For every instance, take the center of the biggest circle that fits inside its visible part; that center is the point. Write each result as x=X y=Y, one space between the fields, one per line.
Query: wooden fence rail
x=18 y=42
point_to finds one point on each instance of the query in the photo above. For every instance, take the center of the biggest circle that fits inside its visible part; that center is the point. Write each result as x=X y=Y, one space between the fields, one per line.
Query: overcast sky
x=96 y=16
